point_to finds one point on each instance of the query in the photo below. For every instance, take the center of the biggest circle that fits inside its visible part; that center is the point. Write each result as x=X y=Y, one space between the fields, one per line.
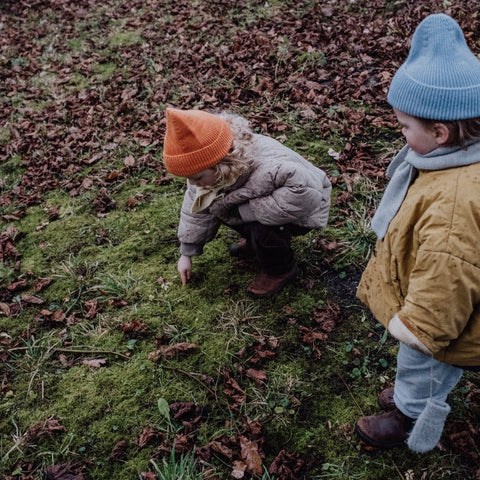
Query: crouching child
x=251 y=183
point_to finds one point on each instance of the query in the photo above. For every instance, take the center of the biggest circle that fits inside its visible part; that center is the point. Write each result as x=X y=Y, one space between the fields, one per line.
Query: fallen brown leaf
x=94 y=363
x=258 y=376
x=233 y=391
x=49 y=427
x=251 y=455
x=64 y=471
x=119 y=451
x=171 y=351
x=149 y=435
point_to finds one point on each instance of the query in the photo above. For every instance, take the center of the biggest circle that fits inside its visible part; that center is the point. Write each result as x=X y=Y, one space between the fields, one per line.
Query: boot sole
x=380 y=446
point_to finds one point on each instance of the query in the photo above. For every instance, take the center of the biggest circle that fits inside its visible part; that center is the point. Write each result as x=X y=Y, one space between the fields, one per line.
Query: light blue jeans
x=420 y=377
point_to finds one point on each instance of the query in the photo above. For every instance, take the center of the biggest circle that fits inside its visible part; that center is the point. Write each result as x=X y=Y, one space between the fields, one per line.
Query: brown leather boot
x=265 y=285
x=388 y=430
x=385 y=399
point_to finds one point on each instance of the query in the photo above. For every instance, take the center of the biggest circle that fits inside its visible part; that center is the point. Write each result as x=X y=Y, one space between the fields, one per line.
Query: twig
x=18 y=443
x=193 y=376
x=19 y=440
x=350 y=393
x=398 y=470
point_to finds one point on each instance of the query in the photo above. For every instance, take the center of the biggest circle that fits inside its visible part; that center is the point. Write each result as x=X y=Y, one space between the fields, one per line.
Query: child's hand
x=184 y=268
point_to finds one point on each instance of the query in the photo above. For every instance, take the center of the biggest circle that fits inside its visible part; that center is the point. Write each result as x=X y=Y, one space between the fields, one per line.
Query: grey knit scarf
x=402 y=170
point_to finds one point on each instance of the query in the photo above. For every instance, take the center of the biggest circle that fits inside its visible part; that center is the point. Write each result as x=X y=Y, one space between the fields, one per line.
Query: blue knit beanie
x=440 y=79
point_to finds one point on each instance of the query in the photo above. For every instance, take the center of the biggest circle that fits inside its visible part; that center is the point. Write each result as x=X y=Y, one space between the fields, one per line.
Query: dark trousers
x=271 y=245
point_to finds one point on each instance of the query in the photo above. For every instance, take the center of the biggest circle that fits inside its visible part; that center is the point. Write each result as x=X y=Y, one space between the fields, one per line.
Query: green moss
x=4 y=135
x=11 y=167
x=105 y=70
x=125 y=39
x=78 y=44
x=79 y=82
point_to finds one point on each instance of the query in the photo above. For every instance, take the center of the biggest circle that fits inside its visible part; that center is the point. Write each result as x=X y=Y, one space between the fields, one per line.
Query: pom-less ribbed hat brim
x=440 y=79
x=194 y=141
x=424 y=101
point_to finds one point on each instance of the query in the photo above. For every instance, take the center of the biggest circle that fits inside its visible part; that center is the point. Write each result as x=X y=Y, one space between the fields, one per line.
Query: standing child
x=423 y=283
x=252 y=183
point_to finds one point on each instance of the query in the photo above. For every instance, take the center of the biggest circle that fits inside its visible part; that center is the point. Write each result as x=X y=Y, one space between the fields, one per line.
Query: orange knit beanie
x=194 y=141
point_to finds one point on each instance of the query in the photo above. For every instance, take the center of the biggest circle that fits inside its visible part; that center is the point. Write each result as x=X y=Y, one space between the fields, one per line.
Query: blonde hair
x=240 y=157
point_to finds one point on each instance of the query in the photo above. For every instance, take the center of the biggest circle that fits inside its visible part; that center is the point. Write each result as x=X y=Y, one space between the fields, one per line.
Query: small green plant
x=338 y=471
x=279 y=399
x=363 y=366
x=282 y=55
x=360 y=369
x=77 y=269
x=310 y=59
x=358 y=240
x=268 y=476
x=6 y=274
x=362 y=238
x=113 y=287
x=171 y=428
x=183 y=469
x=176 y=334
x=164 y=411
x=237 y=314
x=18 y=440
x=62 y=448
x=32 y=360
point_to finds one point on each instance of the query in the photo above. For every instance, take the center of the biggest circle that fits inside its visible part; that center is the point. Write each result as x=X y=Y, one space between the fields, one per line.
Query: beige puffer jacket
x=427 y=268
x=281 y=188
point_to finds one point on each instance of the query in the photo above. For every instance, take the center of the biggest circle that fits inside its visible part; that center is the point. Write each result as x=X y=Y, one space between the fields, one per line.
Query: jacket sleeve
x=442 y=294
x=291 y=198
x=195 y=229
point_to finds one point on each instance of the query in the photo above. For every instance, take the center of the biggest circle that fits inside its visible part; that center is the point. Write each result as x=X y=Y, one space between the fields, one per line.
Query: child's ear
x=441 y=132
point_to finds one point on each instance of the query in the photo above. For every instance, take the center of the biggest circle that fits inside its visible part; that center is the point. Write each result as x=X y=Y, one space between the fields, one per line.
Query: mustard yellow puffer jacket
x=426 y=270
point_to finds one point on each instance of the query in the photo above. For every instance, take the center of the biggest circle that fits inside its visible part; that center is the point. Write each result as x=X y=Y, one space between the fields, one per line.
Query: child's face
x=205 y=178
x=420 y=137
